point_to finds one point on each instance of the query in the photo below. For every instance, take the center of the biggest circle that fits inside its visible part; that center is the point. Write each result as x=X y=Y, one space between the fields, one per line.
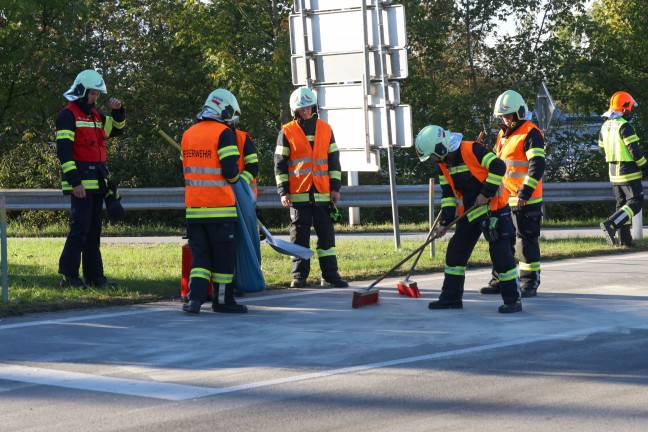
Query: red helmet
x=622 y=102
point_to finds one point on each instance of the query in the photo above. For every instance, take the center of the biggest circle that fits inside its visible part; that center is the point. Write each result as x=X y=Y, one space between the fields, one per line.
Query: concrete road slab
x=305 y=360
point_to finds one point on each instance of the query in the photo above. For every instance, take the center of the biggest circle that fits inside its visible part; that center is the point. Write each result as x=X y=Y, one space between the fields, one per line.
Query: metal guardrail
x=352 y=196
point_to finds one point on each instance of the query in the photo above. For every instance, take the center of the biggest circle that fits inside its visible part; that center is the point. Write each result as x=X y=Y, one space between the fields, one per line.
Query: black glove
x=114 y=207
x=644 y=170
x=489 y=228
x=334 y=213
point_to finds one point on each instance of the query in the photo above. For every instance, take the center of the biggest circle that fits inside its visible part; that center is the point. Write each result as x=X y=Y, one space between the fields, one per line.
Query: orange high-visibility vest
x=308 y=165
x=207 y=193
x=511 y=151
x=240 y=143
x=500 y=200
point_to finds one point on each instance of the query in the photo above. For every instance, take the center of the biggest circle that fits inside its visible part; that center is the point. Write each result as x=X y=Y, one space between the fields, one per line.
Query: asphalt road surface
x=576 y=359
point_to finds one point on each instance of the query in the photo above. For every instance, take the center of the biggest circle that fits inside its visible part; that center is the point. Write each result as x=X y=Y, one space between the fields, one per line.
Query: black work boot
x=609 y=232
x=72 y=282
x=192 y=308
x=625 y=236
x=101 y=282
x=298 y=283
x=445 y=304
x=529 y=289
x=511 y=307
x=228 y=304
x=334 y=283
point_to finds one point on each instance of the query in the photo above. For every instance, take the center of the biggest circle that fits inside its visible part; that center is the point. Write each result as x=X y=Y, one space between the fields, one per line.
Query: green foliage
x=163 y=57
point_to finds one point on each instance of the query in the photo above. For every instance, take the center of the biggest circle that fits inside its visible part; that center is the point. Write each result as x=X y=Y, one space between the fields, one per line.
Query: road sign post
x=354 y=73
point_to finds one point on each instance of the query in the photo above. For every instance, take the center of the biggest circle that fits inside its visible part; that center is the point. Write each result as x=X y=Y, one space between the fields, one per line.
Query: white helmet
x=432 y=140
x=511 y=102
x=223 y=104
x=87 y=80
x=301 y=98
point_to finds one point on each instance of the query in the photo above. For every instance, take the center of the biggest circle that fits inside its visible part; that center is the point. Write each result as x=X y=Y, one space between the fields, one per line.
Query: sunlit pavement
x=573 y=359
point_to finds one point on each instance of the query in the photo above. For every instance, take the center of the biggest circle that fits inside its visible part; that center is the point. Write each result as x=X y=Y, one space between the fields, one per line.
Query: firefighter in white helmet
x=520 y=144
x=210 y=160
x=81 y=134
x=309 y=177
x=619 y=142
x=471 y=175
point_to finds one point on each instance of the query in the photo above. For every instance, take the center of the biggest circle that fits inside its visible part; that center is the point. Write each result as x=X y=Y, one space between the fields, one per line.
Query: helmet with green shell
x=511 y=102
x=432 y=141
x=224 y=104
x=88 y=79
x=301 y=98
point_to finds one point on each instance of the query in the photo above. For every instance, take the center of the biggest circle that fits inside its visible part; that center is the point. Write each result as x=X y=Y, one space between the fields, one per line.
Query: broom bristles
x=365 y=298
x=409 y=289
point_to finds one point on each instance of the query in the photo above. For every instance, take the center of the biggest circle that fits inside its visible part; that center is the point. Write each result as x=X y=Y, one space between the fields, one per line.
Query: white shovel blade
x=286 y=248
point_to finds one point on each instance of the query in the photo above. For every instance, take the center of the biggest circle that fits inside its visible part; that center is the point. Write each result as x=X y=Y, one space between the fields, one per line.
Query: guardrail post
x=637 y=225
x=354 y=212
x=3 y=248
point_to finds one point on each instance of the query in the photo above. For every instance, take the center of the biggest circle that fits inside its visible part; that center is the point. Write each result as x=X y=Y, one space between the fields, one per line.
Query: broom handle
x=436 y=221
x=420 y=248
x=168 y=139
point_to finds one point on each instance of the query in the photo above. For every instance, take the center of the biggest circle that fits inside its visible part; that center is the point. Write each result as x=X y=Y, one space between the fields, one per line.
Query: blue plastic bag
x=247 y=272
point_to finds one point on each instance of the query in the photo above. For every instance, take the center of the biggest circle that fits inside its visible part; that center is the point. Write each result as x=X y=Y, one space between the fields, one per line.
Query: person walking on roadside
x=619 y=143
x=81 y=134
x=520 y=144
x=210 y=158
x=308 y=174
x=471 y=175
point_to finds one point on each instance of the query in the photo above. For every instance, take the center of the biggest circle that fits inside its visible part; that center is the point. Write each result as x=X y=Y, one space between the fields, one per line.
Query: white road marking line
x=180 y=392
x=80 y=318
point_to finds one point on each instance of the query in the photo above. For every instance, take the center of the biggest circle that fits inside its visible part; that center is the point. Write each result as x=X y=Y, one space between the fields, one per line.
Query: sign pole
x=387 y=126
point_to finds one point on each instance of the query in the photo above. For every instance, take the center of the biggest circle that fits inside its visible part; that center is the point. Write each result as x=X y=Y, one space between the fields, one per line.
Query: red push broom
x=369 y=296
x=407 y=287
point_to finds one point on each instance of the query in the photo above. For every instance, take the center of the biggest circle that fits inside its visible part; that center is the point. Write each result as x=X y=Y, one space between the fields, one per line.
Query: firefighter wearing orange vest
x=81 y=134
x=308 y=174
x=472 y=175
x=210 y=158
x=619 y=143
x=520 y=144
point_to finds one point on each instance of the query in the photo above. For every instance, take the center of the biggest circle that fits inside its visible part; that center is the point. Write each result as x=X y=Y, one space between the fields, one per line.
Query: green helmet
x=301 y=98
x=432 y=140
x=510 y=102
x=224 y=104
x=87 y=80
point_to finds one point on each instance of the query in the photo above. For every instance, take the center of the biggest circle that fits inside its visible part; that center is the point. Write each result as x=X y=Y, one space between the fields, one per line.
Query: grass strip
x=151 y=272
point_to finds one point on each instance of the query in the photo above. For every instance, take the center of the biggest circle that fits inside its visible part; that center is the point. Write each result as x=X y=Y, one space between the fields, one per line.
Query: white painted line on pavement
x=80 y=318
x=179 y=392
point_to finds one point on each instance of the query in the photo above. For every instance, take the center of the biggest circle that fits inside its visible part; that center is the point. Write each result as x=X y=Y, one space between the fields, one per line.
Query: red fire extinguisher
x=186 y=272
